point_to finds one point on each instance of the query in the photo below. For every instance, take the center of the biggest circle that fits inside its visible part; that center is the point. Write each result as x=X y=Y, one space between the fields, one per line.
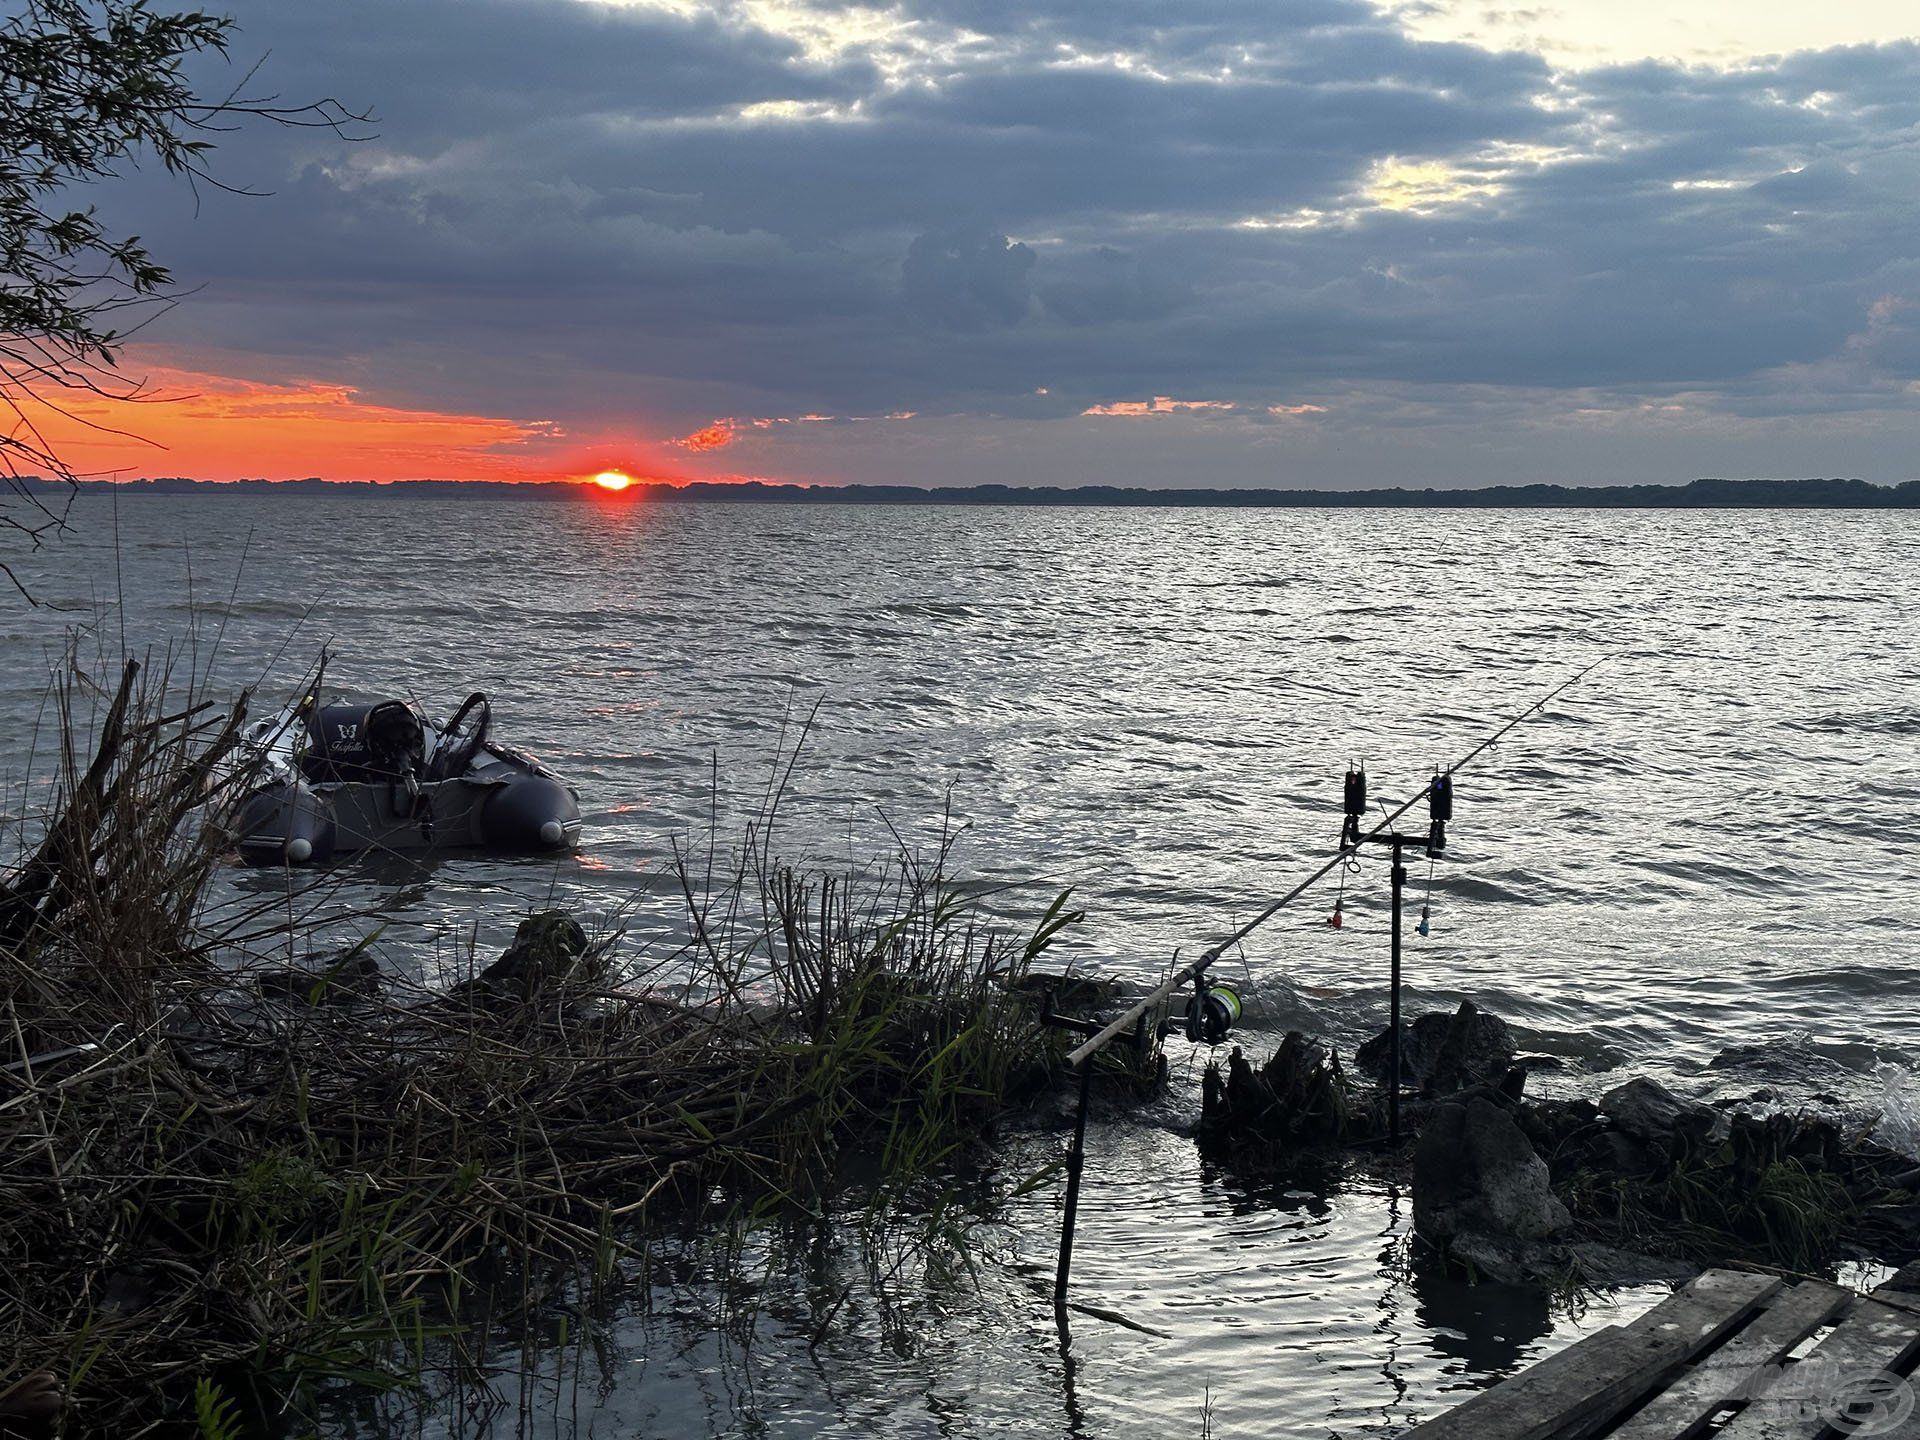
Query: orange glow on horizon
x=218 y=427
x=181 y=420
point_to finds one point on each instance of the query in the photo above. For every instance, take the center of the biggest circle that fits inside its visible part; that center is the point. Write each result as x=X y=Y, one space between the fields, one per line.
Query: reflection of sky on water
x=1287 y=1308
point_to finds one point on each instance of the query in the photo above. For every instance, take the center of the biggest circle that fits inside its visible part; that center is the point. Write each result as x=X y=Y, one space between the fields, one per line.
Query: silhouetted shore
x=1698 y=495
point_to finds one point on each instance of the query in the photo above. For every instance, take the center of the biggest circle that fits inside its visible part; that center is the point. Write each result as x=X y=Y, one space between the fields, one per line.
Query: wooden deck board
x=1874 y=1335
x=1720 y=1342
x=1870 y=1337
x=1739 y=1367
x=1610 y=1371
x=1902 y=1292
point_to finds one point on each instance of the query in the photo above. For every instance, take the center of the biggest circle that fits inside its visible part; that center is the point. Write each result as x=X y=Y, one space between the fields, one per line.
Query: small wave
x=1507 y=887
x=930 y=609
x=1802 y=1058
x=1579 y=1050
x=1886 y=722
x=1899 y=1125
x=1876 y=982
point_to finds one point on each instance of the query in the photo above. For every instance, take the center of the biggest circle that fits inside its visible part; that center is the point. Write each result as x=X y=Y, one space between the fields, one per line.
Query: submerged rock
x=1441 y=1053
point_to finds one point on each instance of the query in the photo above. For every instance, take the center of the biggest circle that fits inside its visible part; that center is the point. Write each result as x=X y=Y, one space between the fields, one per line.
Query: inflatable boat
x=324 y=780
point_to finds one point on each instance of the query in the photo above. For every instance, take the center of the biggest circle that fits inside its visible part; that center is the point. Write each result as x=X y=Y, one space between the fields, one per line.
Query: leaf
x=214 y=1414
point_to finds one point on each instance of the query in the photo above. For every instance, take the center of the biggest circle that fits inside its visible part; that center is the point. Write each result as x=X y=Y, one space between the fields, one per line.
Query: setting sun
x=613 y=480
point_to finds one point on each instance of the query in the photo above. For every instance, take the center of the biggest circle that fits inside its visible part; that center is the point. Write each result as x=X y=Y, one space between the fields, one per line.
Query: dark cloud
x=586 y=210
x=967 y=281
x=1101 y=285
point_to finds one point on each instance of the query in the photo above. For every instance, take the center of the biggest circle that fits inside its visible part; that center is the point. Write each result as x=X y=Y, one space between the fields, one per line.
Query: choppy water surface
x=1701 y=864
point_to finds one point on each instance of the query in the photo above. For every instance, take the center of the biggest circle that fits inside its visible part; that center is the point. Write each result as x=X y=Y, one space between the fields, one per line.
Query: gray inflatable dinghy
x=378 y=775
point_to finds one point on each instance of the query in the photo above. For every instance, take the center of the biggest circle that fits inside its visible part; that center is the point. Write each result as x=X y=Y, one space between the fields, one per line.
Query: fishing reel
x=1211 y=1013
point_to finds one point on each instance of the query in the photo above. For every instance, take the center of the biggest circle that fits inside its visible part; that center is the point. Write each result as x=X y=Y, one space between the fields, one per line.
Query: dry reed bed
x=218 y=1168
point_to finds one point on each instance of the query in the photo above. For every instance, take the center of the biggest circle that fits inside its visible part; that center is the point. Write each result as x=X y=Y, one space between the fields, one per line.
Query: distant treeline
x=1699 y=495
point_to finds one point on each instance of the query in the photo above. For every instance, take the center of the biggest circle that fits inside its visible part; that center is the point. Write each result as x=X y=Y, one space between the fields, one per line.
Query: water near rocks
x=1702 y=865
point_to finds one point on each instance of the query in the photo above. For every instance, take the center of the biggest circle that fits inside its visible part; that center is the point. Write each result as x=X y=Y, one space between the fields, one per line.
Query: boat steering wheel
x=463 y=735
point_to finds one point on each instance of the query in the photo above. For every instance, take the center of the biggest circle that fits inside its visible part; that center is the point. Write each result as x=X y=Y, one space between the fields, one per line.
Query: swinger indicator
x=1439 y=810
x=1356 y=804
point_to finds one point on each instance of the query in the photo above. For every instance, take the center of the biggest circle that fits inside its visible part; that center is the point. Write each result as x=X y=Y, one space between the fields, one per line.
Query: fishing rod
x=1212 y=1011
x=1198 y=969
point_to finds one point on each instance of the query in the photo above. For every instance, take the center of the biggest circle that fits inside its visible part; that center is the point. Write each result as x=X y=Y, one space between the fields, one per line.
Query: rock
x=1071 y=994
x=1611 y=1267
x=1505 y=1260
x=1442 y=1053
x=1475 y=1173
x=1652 y=1114
x=548 y=951
x=1552 y=1123
x=1476 y=1049
x=1869 y=1169
x=1562 y=1132
x=1419 y=1045
x=1756 y=1142
x=1906 y=1280
x=1624 y=1155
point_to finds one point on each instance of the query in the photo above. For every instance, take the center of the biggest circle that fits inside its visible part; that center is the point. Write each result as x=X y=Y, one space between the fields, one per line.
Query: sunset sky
x=1292 y=242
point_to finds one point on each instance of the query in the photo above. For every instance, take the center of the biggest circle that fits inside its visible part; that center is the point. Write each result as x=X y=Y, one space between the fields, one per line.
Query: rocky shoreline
x=1638 y=1184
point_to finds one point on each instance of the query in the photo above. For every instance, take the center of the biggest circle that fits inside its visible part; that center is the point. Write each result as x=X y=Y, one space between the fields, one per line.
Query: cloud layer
x=1272 y=235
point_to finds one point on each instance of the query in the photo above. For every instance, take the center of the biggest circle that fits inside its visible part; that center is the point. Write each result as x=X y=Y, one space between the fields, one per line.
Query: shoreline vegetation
x=239 y=1173
x=1705 y=494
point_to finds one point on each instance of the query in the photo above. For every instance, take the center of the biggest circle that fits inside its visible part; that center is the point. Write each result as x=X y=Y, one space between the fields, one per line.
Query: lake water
x=1700 y=863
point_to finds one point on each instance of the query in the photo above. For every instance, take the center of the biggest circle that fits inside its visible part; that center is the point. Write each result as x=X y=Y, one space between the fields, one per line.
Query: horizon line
x=1704 y=492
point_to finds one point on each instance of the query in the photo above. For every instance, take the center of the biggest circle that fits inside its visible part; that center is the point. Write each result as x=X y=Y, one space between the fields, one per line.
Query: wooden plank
x=1690 y=1323
x=1738 y=1368
x=1707 y=1303
x=1534 y=1403
x=1901 y=1291
x=1870 y=1339
x=1610 y=1371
